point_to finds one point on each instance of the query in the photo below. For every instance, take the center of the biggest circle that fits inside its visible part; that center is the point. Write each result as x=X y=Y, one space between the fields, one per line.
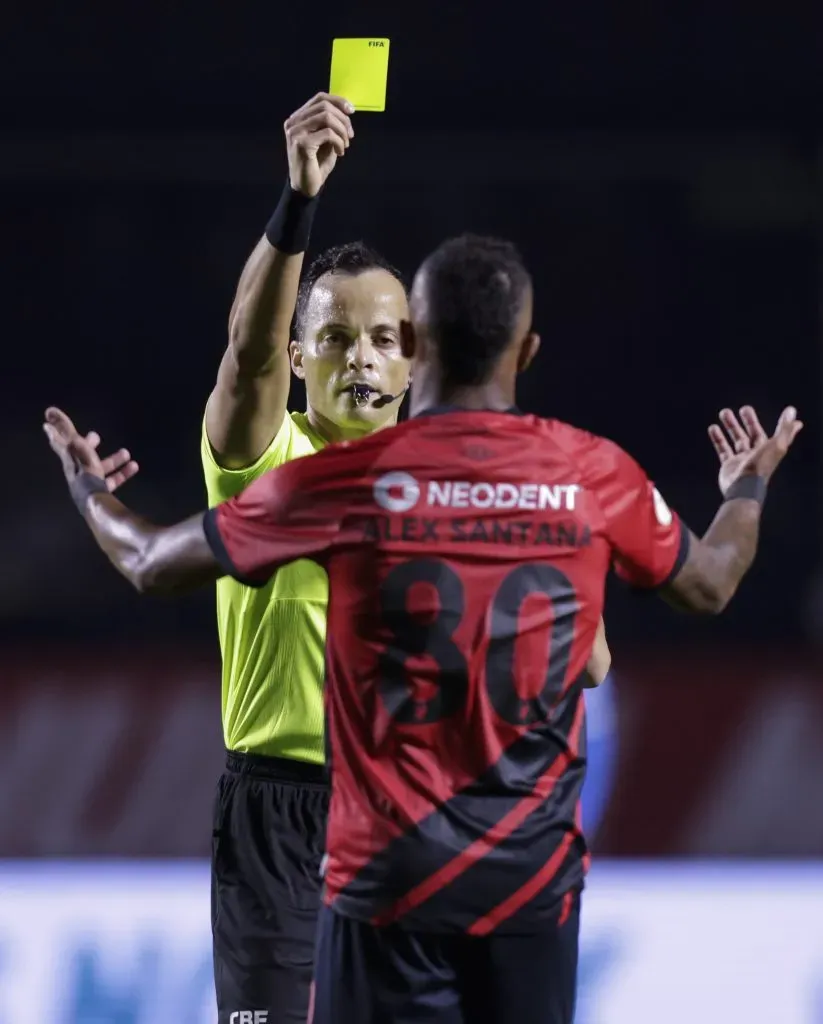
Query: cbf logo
x=396 y=492
x=249 y=1017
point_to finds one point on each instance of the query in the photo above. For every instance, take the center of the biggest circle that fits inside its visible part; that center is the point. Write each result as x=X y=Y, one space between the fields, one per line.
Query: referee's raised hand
x=316 y=136
x=78 y=453
x=745 y=449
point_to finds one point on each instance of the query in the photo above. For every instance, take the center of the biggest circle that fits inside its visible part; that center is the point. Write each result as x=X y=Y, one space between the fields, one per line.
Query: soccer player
x=272 y=801
x=467 y=551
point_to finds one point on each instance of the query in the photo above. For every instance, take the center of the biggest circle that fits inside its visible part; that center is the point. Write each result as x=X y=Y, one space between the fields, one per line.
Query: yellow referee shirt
x=272 y=639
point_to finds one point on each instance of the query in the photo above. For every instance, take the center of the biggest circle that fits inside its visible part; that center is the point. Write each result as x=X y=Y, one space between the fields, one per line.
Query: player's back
x=472 y=561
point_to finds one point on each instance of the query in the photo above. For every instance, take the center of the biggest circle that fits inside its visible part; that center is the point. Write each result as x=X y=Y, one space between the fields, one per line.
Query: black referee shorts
x=370 y=975
x=267 y=846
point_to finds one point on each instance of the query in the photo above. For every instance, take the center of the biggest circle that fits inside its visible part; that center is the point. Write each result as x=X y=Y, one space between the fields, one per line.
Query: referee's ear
x=296 y=358
x=408 y=339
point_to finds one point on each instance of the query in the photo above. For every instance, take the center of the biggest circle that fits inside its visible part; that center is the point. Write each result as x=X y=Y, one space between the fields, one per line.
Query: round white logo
x=396 y=492
x=661 y=509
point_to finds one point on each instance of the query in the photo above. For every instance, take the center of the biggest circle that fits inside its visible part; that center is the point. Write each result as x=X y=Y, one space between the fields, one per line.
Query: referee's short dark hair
x=352 y=258
x=475 y=288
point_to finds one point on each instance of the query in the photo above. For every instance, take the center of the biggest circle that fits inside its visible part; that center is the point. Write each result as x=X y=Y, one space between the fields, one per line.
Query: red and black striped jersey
x=467 y=554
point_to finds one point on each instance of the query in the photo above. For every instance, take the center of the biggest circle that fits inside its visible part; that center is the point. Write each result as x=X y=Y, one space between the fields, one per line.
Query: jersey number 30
x=432 y=637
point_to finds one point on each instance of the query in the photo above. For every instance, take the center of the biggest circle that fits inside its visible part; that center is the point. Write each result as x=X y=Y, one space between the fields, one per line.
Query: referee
x=272 y=800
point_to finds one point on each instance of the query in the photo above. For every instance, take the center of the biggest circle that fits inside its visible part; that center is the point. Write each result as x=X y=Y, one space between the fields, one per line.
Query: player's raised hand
x=78 y=453
x=316 y=136
x=745 y=449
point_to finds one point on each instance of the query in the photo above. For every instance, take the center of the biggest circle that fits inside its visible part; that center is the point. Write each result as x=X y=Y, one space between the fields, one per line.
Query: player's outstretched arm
x=717 y=562
x=246 y=407
x=154 y=559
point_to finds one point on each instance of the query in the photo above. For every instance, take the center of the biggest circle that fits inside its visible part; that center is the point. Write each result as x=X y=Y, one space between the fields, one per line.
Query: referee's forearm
x=261 y=316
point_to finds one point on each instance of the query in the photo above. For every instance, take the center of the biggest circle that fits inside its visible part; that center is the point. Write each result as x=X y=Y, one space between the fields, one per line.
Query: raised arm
x=154 y=559
x=717 y=562
x=246 y=407
x=653 y=548
x=289 y=513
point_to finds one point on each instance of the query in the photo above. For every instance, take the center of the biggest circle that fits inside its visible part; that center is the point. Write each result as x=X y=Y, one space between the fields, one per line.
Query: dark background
x=658 y=167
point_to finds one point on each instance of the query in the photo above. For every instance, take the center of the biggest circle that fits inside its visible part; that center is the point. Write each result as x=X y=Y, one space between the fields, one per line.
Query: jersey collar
x=441 y=410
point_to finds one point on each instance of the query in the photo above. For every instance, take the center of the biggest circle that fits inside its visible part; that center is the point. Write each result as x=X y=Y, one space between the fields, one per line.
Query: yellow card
x=359 y=70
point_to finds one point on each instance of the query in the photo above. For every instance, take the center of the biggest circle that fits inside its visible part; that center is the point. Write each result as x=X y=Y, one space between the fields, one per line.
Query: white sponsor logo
x=460 y=494
x=396 y=492
x=661 y=509
x=400 y=492
x=249 y=1017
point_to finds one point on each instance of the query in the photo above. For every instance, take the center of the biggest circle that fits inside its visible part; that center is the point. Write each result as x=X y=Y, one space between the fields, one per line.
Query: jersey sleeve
x=223 y=483
x=649 y=541
x=291 y=512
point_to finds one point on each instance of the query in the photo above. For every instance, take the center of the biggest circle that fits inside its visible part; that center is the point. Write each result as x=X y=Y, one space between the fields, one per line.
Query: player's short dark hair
x=352 y=258
x=475 y=288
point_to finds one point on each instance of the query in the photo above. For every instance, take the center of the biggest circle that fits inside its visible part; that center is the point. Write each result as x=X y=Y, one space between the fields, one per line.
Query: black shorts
x=268 y=840
x=391 y=976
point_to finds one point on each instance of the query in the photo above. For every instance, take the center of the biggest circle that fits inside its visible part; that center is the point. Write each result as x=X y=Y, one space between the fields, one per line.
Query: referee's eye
x=335 y=338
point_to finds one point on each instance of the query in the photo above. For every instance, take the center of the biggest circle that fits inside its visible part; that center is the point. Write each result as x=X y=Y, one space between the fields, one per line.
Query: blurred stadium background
x=662 y=175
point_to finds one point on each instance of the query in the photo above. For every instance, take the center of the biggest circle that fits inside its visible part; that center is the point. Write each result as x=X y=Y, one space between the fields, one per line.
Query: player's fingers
x=117 y=479
x=720 y=442
x=82 y=454
x=319 y=116
x=785 y=431
x=58 y=446
x=798 y=426
x=739 y=437
x=753 y=426
x=93 y=439
x=115 y=461
x=60 y=421
x=56 y=442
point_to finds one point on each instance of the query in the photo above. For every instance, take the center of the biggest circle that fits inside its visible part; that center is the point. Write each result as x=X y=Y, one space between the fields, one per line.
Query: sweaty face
x=351 y=335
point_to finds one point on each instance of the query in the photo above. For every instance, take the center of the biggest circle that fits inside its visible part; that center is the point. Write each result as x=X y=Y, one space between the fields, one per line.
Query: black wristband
x=83 y=486
x=289 y=228
x=752 y=487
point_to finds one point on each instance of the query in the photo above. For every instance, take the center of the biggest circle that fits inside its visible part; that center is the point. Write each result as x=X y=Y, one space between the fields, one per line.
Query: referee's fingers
x=327 y=136
x=325 y=97
x=317 y=131
x=332 y=113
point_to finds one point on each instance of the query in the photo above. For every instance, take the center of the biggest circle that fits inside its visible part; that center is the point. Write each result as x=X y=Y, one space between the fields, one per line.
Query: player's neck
x=486 y=397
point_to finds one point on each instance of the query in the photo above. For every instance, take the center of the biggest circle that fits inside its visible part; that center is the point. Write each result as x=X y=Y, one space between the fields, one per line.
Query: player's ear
x=408 y=339
x=528 y=350
x=296 y=357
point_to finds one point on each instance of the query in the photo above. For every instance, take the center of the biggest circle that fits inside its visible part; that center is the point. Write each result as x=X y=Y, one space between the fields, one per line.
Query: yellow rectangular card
x=359 y=71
